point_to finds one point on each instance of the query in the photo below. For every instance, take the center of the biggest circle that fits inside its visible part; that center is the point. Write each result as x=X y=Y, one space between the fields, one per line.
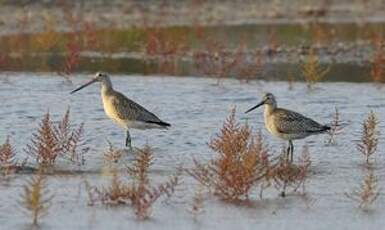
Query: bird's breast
x=111 y=111
x=269 y=124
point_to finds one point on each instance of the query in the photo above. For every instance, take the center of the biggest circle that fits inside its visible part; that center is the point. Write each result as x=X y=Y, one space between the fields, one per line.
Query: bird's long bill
x=251 y=109
x=83 y=86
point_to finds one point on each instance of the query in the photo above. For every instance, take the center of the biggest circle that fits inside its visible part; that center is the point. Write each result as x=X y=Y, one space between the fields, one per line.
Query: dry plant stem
x=111 y=158
x=304 y=164
x=367 y=193
x=112 y=155
x=71 y=140
x=138 y=192
x=283 y=174
x=369 y=137
x=36 y=198
x=335 y=127
x=312 y=70
x=286 y=174
x=197 y=206
x=50 y=142
x=44 y=147
x=239 y=165
x=141 y=165
x=144 y=195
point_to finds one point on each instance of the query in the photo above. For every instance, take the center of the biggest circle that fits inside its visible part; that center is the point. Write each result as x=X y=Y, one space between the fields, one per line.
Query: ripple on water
x=196 y=114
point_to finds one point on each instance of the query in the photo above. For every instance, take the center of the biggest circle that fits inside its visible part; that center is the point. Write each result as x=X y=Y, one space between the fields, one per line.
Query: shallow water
x=196 y=109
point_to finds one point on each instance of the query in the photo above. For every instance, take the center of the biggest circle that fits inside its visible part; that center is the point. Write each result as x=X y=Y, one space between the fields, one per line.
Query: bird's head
x=99 y=77
x=267 y=99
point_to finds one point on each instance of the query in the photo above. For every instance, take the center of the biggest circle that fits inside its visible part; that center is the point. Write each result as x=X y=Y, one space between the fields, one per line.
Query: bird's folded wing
x=288 y=122
x=129 y=110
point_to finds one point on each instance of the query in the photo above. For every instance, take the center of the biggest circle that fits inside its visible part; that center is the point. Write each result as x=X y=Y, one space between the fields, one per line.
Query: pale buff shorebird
x=123 y=111
x=286 y=124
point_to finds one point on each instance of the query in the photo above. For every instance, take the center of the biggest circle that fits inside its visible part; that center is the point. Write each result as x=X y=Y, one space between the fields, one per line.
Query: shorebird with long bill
x=123 y=111
x=286 y=124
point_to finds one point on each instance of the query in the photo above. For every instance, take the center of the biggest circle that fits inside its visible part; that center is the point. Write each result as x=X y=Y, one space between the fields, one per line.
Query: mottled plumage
x=291 y=123
x=123 y=111
x=127 y=109
x=287 y=124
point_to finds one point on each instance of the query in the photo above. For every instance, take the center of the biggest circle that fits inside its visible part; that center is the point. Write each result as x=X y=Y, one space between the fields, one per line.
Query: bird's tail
x=322 y=129
x=325 y=128
x=161 y=124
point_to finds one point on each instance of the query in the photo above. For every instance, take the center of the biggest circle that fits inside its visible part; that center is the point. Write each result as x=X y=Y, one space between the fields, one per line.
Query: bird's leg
x=283 y=192
x=288 y=152
x=128 y=140
x=292 y=150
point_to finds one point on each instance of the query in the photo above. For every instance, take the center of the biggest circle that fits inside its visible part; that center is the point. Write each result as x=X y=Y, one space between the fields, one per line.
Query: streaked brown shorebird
x=286 y=124
x=123 y=111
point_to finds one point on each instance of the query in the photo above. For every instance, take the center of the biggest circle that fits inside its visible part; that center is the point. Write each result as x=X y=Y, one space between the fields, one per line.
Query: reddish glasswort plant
x=239 y=165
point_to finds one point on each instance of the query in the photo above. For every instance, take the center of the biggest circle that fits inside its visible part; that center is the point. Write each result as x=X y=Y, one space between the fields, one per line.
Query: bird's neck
x=106 y=86
x=269 y=109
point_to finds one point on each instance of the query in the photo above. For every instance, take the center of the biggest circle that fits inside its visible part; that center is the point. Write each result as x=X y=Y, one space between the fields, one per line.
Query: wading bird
x=123 y=111
x=286 y=124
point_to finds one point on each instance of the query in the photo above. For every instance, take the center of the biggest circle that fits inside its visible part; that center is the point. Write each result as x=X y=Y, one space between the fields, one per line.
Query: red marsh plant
x=44 y=146
x=113 y=154
x=248 y=68
x=70 y=139
x=367 y=145
x=272 y=42
x=8 y=163
x=311 y=69
x=138 y=191
x=239 y=164
x=90 y=37
x=320 y=33
x=367 y=193
x=71 y=60
x=335 y=127
x=164 y=49
x=36 y=198
x=144 y=195
x=111 y=158
x=377 y=69
x=49 y=39
x=51 y=141
x=165 y=46
x=81 y=37
x=215 y=60
x=286 y=174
